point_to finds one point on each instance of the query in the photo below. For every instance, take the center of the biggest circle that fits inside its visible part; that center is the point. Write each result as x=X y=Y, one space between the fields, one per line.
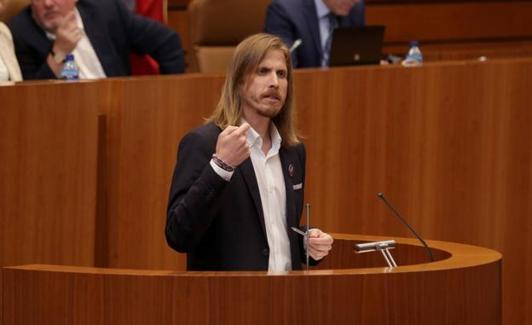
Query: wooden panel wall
x=48 y=153
x=146 y=122
x=450 y=146
x=456 y=29
x=448 y=22
x=177 y=4
x=448 y=143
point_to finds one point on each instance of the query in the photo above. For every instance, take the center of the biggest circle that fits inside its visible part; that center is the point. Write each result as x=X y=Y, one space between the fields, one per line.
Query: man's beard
x=271 y=112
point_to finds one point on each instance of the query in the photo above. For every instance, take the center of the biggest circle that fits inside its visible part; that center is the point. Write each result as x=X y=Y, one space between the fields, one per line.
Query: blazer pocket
x=297 y=186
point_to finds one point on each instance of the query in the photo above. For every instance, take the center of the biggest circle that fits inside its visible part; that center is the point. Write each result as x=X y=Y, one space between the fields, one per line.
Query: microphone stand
x=403 y=221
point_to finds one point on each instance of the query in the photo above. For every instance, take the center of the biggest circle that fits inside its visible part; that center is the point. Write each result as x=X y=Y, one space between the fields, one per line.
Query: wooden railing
x=463 y=286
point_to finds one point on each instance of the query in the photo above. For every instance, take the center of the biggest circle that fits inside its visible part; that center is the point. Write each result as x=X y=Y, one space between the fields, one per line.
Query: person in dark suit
x=311 y=22
x=101 y=35
x=237 y=187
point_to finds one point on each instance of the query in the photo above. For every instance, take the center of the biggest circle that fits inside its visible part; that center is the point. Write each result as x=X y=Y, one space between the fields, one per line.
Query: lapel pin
x=291 y=170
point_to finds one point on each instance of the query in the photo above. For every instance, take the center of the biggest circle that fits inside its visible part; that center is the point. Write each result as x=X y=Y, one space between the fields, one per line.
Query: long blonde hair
x=247 y=57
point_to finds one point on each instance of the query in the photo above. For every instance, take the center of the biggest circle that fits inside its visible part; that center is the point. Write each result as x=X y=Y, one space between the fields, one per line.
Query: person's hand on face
x=67 y=34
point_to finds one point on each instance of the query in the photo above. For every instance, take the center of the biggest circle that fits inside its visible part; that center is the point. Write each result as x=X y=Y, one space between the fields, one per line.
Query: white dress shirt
x=270 y=180
x=85 y=55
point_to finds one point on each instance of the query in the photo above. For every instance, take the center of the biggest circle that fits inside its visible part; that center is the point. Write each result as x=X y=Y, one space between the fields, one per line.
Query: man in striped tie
x=311 y=22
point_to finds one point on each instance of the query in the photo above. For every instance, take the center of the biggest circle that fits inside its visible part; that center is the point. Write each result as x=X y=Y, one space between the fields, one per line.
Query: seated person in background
x=100 y=33
x=312 y=22
x=238 y=183
x=9 y=69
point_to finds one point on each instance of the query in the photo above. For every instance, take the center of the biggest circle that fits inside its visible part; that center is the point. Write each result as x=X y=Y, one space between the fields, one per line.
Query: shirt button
x=265 y=252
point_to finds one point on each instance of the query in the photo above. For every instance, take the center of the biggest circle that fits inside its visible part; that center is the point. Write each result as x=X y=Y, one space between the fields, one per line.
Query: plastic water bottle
x=414 y=56
x=70 y=69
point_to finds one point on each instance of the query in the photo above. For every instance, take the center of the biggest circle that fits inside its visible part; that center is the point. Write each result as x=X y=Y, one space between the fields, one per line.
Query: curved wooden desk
x=463 y=286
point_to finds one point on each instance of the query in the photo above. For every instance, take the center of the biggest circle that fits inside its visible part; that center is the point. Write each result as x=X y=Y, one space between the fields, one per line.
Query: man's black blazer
x=298 y=19
x=114 y=32
x=220 y=224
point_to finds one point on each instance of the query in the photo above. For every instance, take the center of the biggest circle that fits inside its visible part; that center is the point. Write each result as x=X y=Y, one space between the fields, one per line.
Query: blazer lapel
x=36 y=36
x=248 y=173
x=287 y=163
x=311 y=19
x=99 y=41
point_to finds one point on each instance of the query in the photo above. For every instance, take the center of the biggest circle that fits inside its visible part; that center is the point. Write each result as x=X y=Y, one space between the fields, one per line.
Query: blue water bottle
x=414 y=56
x=70 y=69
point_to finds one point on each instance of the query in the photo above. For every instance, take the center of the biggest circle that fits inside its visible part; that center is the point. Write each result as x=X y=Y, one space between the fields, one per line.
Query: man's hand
x=320 y=244
x=232 y=147
x=67 y=35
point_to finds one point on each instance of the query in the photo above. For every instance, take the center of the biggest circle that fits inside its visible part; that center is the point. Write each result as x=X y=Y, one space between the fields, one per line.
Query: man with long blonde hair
x=237 y=187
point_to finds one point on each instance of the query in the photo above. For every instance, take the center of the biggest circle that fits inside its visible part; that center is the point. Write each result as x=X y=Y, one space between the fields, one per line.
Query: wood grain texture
x=453 y=21
x=448 y=141
x=463 y=288
x=178 y=21
x=1 y=297
x=146 y=121
x=448 y=51
x=179 y=4
x=48 y=153
x=449 y=144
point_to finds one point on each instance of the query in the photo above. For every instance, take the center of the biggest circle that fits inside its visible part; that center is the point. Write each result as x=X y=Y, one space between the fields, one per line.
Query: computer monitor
x=356 y=45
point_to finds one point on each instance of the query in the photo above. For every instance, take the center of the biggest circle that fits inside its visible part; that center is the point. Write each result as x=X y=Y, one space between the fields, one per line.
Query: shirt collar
x=79 y=22
x=321 y=9
x=254 y=139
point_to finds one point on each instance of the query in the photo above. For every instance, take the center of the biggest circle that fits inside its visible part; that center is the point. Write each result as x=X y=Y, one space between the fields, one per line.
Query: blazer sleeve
x=148 y=36
x=194 y=193
x=32 y=60
x=278 y=23
x=31 y=64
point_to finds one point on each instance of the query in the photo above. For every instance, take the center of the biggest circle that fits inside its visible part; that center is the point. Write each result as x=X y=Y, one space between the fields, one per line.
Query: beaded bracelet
x=220 y=163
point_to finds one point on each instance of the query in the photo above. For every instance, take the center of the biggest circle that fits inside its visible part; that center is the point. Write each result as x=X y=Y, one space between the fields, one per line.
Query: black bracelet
x=220 y=163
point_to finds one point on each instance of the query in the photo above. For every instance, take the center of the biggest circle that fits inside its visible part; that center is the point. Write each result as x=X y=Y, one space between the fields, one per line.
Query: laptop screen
x=356 y=45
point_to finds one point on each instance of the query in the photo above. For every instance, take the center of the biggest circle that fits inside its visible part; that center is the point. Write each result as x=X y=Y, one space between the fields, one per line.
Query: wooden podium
x=462 y=286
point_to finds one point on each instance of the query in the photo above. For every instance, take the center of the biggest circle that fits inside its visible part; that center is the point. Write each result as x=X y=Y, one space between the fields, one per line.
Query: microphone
x=295 y=45
x=383 y=198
